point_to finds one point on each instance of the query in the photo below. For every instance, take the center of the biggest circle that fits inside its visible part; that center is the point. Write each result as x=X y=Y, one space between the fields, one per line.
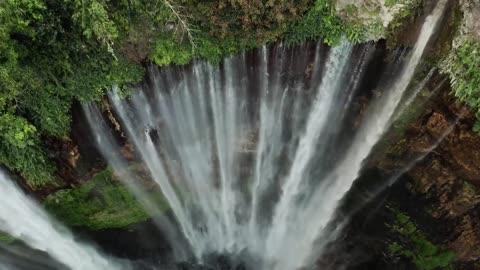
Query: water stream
x=23 y=219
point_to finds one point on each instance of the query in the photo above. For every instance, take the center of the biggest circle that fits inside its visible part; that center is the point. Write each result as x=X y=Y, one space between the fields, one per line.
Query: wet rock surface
x=448 y=178
x=215 y=262
x=471 y=9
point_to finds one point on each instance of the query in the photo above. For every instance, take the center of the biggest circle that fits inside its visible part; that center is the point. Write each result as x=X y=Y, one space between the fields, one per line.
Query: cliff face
x=442 y=154
x=451 y=175
x=432 y=158
x=376 y=16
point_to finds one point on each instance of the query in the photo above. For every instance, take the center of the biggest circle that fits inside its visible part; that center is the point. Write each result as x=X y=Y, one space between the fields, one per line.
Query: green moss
x=6 y=238
x=391 y=3
x=415 y=245
x=99 y=203
x=469 y=188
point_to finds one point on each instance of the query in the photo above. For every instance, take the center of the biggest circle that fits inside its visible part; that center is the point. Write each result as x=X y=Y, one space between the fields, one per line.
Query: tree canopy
x=53 y=52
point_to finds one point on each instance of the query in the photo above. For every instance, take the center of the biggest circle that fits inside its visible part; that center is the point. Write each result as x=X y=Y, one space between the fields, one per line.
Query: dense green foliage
x=463 y=66
x=221 y=28
x=319 y=22
x=53 y=52
x=50 y=56
x=414 y=244
x=99 y=203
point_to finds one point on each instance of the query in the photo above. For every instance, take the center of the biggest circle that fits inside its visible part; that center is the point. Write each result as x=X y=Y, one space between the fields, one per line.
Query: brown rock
x=448 y=175
x=437 y=125
x=466 y=245
x=465 y=155
x=128 y=152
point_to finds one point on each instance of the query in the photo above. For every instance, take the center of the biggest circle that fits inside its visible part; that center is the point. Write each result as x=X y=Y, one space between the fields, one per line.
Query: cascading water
x=244 y=155
x=23 y=219
x=253 y=157
x=196 y=138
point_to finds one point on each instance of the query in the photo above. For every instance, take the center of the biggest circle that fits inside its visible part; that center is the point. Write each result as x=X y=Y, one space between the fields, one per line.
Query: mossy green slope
x=413 y=244
x=99 y=203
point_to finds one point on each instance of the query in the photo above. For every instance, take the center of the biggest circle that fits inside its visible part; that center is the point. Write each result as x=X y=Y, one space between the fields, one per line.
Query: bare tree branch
x=183 y=24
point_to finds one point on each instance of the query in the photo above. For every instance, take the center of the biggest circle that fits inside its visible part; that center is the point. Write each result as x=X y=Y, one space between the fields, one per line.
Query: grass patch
x=99 y=203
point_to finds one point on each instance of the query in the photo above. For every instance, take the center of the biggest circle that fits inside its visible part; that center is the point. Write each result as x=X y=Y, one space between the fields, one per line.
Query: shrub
x=463 y=67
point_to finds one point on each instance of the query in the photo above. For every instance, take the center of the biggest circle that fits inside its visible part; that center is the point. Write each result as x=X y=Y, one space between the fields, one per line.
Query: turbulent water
x=253 y=156
x=23 y=219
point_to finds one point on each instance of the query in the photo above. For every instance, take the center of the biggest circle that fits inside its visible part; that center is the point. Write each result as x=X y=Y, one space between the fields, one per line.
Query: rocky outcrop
x=380 y=18
x=471 y=11
x=448 y=178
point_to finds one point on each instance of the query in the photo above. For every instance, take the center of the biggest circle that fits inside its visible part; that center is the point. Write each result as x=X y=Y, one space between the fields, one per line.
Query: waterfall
x=320 y=210
x=23 y=219
x=249 y=156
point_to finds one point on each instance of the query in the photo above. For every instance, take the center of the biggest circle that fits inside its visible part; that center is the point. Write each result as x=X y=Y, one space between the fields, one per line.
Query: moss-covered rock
x=6 y=238
x=99 y=203
x=376 y=18
x=413 y=244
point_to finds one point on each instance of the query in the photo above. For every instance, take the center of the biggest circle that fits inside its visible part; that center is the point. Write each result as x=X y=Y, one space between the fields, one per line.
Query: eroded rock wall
x=448 y=178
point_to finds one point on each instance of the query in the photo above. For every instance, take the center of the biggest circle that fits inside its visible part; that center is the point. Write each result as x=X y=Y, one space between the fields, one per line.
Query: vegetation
x=6 y=238
x=50 y=55
x=469 y=188
x=55 y=52
x=463 y=66
x=408 y=12
x=322 y=22
x=99 y=203
x=414 y=244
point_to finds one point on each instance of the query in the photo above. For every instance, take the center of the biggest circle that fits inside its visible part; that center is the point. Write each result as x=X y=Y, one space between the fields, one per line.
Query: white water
x=23 y=219
x=104 y=139
x=308 y=223
x=244 y=156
